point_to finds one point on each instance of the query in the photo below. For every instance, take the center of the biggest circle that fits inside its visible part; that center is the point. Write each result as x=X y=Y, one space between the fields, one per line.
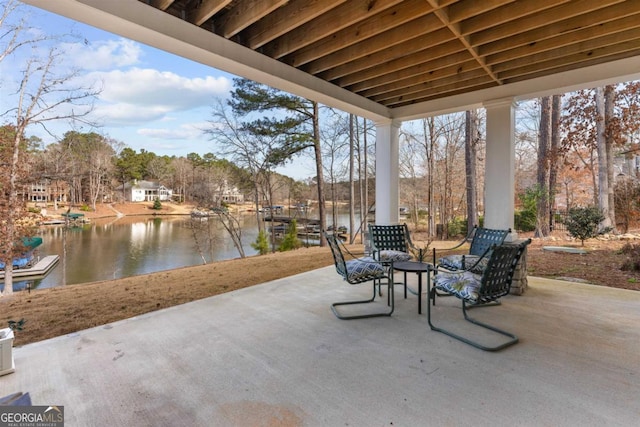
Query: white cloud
x=186 y=131
x=103 y=55
x=146 y=87
x=126 y=114
x=141 y=95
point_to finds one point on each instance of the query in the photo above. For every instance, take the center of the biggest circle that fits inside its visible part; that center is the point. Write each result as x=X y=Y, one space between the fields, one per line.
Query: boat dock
x=308 y=228
x=41 y=268
x=288 y=219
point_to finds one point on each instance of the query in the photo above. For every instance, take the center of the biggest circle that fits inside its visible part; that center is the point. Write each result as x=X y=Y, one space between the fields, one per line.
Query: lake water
x=111 y=249
x=125 y=247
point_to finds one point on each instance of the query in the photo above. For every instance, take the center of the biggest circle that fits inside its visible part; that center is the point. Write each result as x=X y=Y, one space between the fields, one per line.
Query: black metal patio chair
x=482 y=241
x=359 y=270
x=476 y=290
x=389 y=244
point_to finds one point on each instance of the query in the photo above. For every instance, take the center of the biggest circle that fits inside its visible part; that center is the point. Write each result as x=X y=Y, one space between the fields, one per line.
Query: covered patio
x=274 y=354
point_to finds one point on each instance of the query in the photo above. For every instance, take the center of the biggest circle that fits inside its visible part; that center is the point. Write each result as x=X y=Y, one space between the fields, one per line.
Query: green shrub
x=85 y=208
x=157 y=205
x=524 y=220
x=457 y=227
x=290 y=240
x=262 y=243
x=582 y=223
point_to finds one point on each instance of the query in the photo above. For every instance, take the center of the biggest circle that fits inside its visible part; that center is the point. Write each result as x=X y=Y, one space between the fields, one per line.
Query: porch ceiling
x=389 y=58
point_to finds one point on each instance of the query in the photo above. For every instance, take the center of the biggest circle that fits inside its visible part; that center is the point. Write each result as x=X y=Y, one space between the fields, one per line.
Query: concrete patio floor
x=275 y=355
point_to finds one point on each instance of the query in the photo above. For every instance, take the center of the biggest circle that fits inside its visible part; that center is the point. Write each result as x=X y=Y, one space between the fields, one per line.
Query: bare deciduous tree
x=603 y=176
x=44 y=93
x=544 y=147
x=470 y=155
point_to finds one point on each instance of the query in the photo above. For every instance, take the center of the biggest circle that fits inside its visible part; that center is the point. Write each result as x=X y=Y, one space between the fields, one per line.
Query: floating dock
x=40 y=269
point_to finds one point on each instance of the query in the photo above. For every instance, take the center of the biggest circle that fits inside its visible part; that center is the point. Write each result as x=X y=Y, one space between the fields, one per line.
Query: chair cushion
x=358 y=269
x=395 y=256
x=465 y=285
x=454 y=262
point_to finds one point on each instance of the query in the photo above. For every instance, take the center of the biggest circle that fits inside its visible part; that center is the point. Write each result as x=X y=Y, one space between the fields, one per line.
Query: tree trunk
x=352 y=218
x=256 y=199
x=365 y=202
x=609 y=99
x=319 y=173
x=470 y=155
x=544 y=137
x=429 y=132
x=12 y=205
x=603 y=182
x=555 y=149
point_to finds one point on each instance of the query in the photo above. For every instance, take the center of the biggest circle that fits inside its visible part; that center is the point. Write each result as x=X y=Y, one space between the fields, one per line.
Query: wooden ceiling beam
x=597 y=46
x=570 y=61
x=341 y=17
x=387 y=20
x=388 y=40
x=541 y=19
x=408 y=48
x=461 y=85
x=444 y=93
x=161 y=4
x=422 y=63
x=286 y=19
x=428 y=85
x=526 y=74
x=614 y=31
x=566 y=27
x=412 y=76
x=454 y=27
x=200 y=13
x=243 y=14
x=467 y=9
x=505 y=14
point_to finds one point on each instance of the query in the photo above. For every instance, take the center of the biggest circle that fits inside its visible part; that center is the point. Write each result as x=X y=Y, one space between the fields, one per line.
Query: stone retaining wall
x=520 y=283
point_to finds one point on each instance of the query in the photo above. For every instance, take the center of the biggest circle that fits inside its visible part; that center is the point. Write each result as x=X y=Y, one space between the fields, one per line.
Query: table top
x=413 y=266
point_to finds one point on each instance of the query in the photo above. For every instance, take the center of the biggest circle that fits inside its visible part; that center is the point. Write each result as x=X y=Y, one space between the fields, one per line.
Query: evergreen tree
x=290 y=240
x=295 y=126
x=262 y=243
x=582 y=223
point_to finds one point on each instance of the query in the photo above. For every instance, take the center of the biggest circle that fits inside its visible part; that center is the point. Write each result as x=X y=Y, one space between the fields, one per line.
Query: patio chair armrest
x=485 y=255
x=466 y=239
x=438 y=251
x=344 y=248
x=437 y=269
x=375 y=253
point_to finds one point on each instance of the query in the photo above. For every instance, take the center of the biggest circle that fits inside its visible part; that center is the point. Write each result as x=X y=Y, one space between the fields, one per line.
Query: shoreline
x=62 y=310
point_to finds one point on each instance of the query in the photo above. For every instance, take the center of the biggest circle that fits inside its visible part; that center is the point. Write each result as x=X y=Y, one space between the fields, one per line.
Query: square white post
x=499 y=205
x=387 y=173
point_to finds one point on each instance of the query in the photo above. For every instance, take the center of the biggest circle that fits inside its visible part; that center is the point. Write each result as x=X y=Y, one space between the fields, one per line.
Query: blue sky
x=150 y=99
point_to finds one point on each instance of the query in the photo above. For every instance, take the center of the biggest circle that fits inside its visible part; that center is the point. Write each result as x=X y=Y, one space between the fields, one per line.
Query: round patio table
x=418 y=268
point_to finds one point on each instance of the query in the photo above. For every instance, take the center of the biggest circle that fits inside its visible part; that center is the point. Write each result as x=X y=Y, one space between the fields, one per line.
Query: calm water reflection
x=120 y=248
x=114 y=248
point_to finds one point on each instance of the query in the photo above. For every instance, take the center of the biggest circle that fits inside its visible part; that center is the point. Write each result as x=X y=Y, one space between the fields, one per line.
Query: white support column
x=499 y=206
x=387 y=173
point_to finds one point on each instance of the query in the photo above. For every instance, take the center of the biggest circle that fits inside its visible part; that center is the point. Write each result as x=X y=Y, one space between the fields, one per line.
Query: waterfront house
x=146 y=191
